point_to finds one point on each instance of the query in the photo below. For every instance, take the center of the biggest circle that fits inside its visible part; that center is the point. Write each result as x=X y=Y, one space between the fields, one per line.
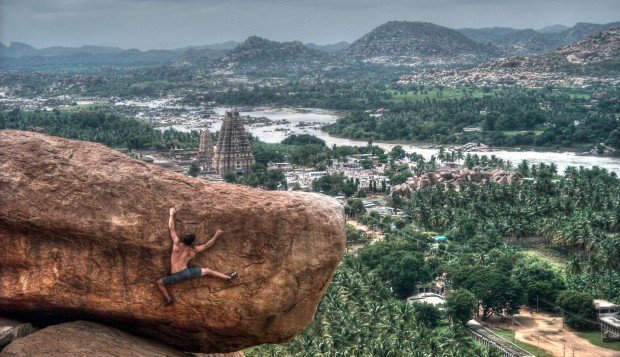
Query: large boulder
x=402 y=190
x=84 y=232
x=83 y=338
x=432 y=178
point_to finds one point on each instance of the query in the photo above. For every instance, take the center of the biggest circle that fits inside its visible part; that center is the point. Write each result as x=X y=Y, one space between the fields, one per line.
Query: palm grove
x=485 y=262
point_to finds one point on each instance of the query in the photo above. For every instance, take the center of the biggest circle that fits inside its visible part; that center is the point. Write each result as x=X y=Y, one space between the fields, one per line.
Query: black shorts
x=185 y=274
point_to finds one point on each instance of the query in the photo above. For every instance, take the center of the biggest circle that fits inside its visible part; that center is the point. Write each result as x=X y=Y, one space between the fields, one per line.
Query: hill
x=595 y=60
x=417 y=44
x=553 y=29
x=333 y=47
x=261 y=56
x=492 y=34
x=531 y=42
x=21 y=56
x=594 y=50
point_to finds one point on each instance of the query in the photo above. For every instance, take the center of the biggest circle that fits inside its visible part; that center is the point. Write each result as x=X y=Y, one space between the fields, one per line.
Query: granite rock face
x=84 y=232
x=455 y=179
x=83 y=338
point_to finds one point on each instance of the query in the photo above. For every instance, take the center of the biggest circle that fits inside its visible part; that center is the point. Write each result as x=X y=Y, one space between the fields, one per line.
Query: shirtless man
x=182 y=253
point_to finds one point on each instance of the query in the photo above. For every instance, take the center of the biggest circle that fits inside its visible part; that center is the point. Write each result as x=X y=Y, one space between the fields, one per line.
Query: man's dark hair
x=188 y=239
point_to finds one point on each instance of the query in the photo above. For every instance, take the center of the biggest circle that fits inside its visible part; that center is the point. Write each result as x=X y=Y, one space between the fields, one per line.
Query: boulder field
x=455 y=179
x=84 y=235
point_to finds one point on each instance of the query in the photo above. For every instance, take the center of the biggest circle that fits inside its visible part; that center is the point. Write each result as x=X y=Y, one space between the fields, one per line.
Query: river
x=317 y=117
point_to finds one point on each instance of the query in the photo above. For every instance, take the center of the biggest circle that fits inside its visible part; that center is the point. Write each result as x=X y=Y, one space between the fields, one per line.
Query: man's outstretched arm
x=202 y=248
x=173 y=233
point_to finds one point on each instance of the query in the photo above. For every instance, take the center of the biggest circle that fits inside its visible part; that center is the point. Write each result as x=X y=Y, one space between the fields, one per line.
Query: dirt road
x=545 y=330
x=375 y=236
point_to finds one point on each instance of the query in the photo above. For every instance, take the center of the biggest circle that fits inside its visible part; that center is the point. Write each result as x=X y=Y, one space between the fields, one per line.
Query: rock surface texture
x=83 y=338
x=84 y=232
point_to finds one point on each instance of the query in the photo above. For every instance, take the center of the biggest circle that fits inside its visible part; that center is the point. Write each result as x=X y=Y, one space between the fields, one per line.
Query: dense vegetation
x=97 y=125
x=509 y=118
x=359 y=317
x=363 y=312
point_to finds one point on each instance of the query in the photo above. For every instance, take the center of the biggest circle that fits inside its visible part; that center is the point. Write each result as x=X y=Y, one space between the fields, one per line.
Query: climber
x=182 y=253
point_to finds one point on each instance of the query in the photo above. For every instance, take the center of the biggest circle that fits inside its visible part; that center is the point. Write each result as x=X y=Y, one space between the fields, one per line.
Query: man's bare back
x=182 y=252
x=180 y=257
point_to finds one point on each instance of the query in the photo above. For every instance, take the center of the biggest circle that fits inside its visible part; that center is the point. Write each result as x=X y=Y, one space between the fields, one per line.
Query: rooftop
x=429 y=298
x=611 y=320
x=603 y=304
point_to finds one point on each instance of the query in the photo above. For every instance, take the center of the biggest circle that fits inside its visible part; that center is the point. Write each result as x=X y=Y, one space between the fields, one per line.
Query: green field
x=549 y=255
x=509 y=336
x=579 y=95
x=595 y=339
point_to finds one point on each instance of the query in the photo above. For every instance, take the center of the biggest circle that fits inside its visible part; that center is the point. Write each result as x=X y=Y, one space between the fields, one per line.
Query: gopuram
x=233 y=153
x=206 y=152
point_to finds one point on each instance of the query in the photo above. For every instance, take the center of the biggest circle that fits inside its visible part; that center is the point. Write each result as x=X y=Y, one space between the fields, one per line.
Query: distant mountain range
x=602 y=48
x=531 y=42
x=334 y=47
x=22 y=56
x=593 y=61
x=396 y=43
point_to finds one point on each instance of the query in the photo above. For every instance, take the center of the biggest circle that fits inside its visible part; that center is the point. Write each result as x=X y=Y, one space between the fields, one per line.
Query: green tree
x=397 y=153
x=578 y=309
x=404 y=269
x=354 y=207
x=303 y=139
x=230 y=177
x=539 y=281
x=614 y=139
x=496 y=292
x=461 y=306
x=193 y=169
x=427 y=314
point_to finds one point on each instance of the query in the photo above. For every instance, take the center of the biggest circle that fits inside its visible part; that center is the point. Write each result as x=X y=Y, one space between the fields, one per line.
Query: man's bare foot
x=169 y=302
x=232 y=276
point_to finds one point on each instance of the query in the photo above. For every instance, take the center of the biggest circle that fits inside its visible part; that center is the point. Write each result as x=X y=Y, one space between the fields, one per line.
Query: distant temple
x=205 y=151
x=233 y=153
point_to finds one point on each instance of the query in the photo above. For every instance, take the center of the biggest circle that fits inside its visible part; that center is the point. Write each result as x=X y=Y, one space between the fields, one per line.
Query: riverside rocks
x=84 y=231
x=455 y=179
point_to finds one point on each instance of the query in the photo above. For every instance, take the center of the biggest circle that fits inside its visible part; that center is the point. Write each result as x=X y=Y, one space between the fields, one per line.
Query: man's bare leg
x=164 y=291
x=217 y=274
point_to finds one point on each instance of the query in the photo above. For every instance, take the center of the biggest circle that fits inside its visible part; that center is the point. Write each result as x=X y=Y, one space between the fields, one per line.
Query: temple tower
x=233 y=153
x=205 y=151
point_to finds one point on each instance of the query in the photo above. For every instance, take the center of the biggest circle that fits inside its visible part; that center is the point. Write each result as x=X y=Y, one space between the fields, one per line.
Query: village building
x=182 y=156
x=313 y=175
x=428 y=298
x=607 y=314
x=473 y=129
x=284 y=166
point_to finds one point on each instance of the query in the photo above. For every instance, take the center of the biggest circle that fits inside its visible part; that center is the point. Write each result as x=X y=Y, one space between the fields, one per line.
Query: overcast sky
x=147 y=24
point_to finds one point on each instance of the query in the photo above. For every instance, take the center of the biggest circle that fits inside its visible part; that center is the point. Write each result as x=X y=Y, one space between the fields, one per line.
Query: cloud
x=176 y=23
